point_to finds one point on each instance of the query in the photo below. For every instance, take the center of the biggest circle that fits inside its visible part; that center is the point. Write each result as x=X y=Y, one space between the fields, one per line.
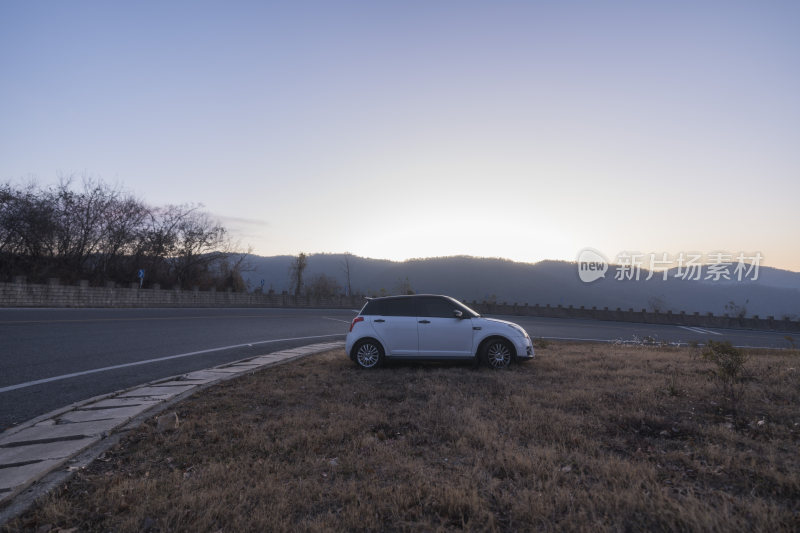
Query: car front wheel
x=368 y=354
x=497 y=354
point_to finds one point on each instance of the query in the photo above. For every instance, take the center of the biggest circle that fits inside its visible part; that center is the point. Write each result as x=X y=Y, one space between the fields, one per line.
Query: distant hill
x=776 y=292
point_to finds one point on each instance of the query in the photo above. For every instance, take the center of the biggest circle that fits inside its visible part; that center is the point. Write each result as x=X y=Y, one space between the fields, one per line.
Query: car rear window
x=390 y=307
x=373 y=307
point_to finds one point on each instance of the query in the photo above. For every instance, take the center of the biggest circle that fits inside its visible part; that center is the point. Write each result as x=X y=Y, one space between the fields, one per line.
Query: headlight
x=519 y=329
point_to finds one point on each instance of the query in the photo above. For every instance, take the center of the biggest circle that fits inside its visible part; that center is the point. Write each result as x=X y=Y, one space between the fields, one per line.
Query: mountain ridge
x=776 y=292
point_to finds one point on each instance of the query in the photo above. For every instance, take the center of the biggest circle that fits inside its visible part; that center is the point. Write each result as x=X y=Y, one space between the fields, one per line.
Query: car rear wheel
x=497 y=354
x=368 y=354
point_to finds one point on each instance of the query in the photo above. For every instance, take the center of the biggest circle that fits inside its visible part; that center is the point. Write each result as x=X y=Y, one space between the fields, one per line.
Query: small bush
x=673 y=387
x=729 y=368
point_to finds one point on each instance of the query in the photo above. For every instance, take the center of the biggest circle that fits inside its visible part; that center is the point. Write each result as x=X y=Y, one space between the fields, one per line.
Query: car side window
x=399 y=307
x=436 y=307
x=374 y=307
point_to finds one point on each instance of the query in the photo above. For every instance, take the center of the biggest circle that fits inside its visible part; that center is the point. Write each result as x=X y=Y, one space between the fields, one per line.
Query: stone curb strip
x=35 y=448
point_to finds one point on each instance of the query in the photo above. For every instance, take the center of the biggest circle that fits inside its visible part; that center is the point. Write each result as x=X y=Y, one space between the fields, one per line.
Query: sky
x=525 y=130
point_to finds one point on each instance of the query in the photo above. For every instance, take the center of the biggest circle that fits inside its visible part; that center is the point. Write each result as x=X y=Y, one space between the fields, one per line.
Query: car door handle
x=424 y=321
x=379 y=320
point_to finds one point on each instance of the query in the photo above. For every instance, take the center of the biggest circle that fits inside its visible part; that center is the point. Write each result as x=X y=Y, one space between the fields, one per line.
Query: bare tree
x=322 y=286
x=182 y=244
x=296 y=270
x=122 y=236
x=200 y=242
x=739 y=311
x=12 y=211
x=231 y=269
x=7 y=222
x=346 y=269
x=92 y=226
x=28 y=229
x=404 y=286
x=101 y=232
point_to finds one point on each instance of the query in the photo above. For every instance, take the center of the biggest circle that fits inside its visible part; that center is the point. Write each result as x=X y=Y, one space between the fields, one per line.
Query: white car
x=429 y=326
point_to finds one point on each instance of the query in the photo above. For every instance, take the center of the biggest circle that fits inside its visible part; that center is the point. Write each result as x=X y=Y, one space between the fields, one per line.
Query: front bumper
x=524 y=348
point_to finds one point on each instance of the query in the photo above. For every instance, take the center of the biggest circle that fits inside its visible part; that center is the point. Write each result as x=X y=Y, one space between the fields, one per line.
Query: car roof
x=408 y=296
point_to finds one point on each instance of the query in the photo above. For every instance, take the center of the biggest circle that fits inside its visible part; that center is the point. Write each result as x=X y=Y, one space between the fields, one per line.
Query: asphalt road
x=50 y=358
x=602 y=331
x=50 y=344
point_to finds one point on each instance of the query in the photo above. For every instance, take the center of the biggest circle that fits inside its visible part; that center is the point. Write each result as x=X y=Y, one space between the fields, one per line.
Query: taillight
x=355 y=321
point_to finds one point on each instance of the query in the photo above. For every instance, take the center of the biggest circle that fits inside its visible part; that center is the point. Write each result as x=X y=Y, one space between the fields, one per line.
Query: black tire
x=368 y=354
x=497 y=354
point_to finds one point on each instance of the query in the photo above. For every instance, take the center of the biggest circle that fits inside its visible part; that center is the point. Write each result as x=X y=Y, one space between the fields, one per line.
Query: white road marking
x=620 y=341
x=703 y=330
x=677 y=343
x=579 y=339
x=159 y=359
x=336 y=319
x=700 y=330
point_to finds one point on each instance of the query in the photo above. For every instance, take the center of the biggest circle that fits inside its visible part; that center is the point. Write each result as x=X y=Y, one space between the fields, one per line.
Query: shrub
x=729 y=368
x=673 y=387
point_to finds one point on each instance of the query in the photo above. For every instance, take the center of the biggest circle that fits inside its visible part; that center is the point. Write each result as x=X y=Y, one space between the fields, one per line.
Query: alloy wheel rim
x=499 y=355
x=368 y=355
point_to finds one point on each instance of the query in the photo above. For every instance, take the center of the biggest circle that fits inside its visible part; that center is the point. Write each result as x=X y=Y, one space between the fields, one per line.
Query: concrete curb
x=43 y=445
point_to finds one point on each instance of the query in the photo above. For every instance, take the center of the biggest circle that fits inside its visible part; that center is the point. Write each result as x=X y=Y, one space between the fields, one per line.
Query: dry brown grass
x=584 y=438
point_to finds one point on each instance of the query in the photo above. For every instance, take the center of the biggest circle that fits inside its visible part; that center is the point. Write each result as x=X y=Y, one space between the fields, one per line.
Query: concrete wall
x=21 y=294
x=708 y=320
x=55 y=295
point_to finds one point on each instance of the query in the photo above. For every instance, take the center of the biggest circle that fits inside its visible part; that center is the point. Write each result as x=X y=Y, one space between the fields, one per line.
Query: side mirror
x=458 y=314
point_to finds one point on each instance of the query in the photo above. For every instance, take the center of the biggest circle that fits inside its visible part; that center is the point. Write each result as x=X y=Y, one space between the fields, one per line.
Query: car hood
x=497 y=320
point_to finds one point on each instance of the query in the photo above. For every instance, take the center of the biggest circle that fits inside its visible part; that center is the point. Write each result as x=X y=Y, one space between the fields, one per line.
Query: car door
x=441 y=333
x=396 y=327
